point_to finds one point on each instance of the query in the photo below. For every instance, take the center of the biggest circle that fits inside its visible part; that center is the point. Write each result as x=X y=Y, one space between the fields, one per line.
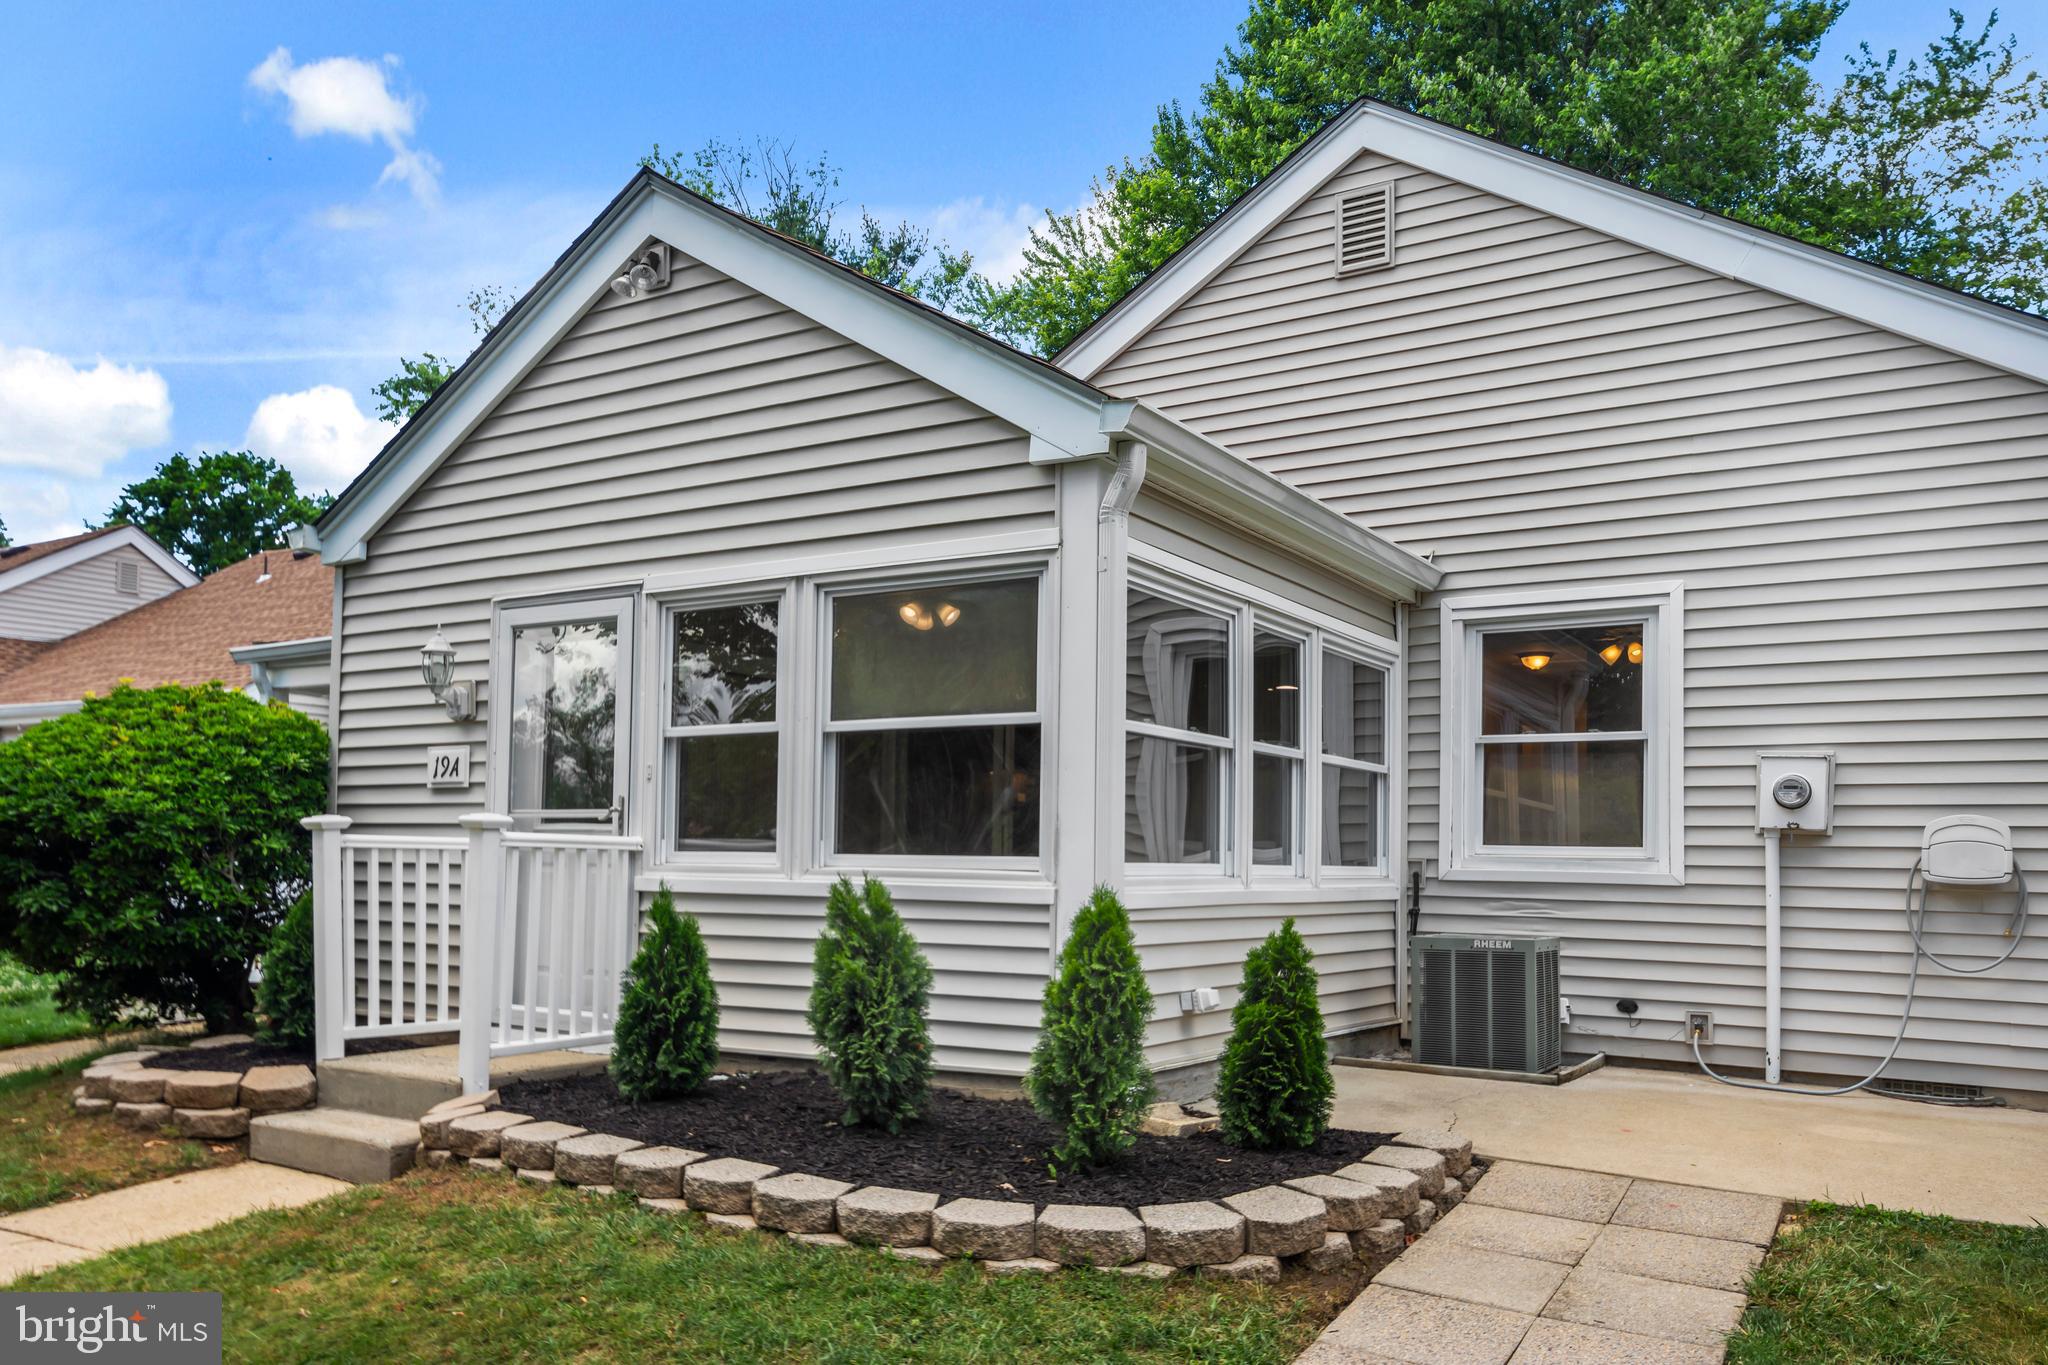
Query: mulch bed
x=965 y=1146
x=242 y=1056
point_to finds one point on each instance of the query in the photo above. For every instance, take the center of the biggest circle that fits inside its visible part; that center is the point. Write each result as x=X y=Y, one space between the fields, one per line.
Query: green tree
x=1274 y=1087
x=1933 y=167
x=870 y=991
x=665 y=1042
x=150 y=842
x=216 y=510
x=1088 y=1071
x=406 y=392
x=284 y=998
x=4 y=541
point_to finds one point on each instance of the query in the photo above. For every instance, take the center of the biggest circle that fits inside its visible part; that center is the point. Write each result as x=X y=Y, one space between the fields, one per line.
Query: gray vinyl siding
x=1858 y=522
x=704 y=427
x=80 y=595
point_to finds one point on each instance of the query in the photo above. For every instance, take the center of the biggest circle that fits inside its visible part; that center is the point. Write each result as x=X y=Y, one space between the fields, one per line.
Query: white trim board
x=1997 y=336
x=92 y=549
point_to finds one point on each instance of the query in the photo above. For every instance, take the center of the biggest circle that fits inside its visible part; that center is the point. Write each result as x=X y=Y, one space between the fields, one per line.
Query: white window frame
x=508 y=614
x=663 y=727
x=1255 y=748
x=1234 y=747
x=1660 y=608
x=824 y=854
x=1383 y=769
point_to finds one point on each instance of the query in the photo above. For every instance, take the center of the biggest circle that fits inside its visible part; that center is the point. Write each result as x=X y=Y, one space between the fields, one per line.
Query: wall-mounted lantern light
x=437 y=667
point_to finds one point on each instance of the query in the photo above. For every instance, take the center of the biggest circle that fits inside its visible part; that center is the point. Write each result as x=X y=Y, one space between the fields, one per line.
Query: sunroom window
x=722 y=728
x=1353 y=762
x=933 y=725
x=1177 y=745
x=1276 y=751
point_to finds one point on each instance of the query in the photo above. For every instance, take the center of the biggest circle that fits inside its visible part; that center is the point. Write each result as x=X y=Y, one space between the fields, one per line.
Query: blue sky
x=221 y=224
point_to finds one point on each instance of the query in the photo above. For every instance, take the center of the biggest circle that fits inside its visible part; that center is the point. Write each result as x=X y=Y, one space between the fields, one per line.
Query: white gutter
x=26 y=713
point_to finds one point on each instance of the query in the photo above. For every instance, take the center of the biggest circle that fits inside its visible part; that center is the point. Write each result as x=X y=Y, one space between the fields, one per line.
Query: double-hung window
x=933 y=729
x=1562 y=755
x=1277 y=752
x=1177 y=732
x=1353 y=762
x=721 y=730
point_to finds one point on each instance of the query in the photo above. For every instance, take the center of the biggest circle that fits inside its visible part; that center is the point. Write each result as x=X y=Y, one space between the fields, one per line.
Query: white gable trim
x=1897 y=303
x=127 y=536
x=1056 y=411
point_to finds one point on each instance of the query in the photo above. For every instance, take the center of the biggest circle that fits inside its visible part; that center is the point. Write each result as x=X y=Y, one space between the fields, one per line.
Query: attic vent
x=1365 y=230
x=127 y=578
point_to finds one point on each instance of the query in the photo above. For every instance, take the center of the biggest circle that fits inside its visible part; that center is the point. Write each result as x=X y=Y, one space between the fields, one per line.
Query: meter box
x=1795 y=789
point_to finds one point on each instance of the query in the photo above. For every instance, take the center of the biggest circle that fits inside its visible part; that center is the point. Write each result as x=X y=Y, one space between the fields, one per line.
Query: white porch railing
x=517 y=940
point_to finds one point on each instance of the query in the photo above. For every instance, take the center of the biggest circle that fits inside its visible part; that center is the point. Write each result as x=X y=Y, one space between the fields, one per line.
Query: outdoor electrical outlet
x=1700 y=1024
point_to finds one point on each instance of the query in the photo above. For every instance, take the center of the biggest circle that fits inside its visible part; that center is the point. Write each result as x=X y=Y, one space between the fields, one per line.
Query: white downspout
x=1773 y=942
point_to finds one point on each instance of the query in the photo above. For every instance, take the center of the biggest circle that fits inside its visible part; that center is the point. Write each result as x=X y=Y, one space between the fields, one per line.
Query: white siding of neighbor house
x=1858 y=520
x=80 y=595
x=703 y=427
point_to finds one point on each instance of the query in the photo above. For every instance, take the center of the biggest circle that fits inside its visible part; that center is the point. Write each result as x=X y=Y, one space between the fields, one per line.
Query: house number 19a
x=448 y=767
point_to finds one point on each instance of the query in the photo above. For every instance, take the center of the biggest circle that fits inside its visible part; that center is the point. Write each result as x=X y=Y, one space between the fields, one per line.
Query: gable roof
x=1066 y=418
x=21 y=564
x=2003 y=337
x=184 y=636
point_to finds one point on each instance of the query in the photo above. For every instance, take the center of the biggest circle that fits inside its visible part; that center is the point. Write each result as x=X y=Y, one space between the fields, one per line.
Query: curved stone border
x=199 y=1104
x=1366 y=1211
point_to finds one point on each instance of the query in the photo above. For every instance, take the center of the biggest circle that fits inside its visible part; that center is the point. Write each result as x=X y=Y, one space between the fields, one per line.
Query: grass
x=456 y=1265
x=1869 y=1284
x=49 y=1153
x=28 y=1008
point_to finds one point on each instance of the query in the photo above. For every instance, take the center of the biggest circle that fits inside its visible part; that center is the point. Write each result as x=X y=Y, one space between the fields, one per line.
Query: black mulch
x=242 y=1056
x=965 y=1146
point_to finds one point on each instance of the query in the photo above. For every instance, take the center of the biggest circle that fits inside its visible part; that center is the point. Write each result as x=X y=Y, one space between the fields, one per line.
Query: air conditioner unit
x=1485 y=1000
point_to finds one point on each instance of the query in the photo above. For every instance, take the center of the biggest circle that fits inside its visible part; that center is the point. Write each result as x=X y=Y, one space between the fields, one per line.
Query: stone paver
x=1090 y=1234
x=798 y=1202
x=1636 y=1303
x=882 y=1215
x=1259 y=1269
x=1334 y=1254
x=1385 y=1323
x=1472 y=1274
x=1279 y=1221
x=1022 y=1265
x=1536 y=1235
x=1586 y=1196
x=1725 y=1214
x=1198 y=1233
x=1551 y=1342
x=1455 y=1150
x=138 y=1085
x=587 y=1160
x=150 y=1116
x=1352 y=1206
x=990 y=1229
x=1705 y=1261
x=211 y=1123
x=1428 y=1167
x=724 y=1186
x=653 y=1172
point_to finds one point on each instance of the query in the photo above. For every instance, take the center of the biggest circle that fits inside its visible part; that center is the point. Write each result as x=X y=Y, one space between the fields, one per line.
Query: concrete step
x=364 y=1149
x=397 y=1085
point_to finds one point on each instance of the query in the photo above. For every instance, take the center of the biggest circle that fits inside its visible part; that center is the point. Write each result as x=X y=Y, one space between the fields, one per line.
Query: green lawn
x=1869 y=1284
x=49 y=1153
x=458 y=1265
x=28 y=1008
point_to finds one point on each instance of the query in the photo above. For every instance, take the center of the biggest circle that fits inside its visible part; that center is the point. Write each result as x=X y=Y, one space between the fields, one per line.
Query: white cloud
x=40 y=510
x=75 y=421
x=352 y=97
x=318 y=433
x=994 y=233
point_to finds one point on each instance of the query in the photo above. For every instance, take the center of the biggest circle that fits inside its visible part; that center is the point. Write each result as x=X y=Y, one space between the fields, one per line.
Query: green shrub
x=1274 y=1089
x=150 y=842
x=1088 y=1071
x=284 y=998
x=870 y=990
x=666 y=1040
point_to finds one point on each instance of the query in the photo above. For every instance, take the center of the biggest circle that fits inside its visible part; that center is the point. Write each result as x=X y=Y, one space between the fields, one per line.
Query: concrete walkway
x=1662 y=1125
x=81 y=1228
x=35 y=1055
x=1548 y=1266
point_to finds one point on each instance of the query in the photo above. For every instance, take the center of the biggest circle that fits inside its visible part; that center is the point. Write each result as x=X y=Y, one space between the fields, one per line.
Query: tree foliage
x=284 y=997
x=870 y=993
x=150 y=842
x=665 y=1042
x=406 y=392
x=4 y=541
x=1274 y=1088
x=216 y=510
x=1930 y=167
x=1088 y=1071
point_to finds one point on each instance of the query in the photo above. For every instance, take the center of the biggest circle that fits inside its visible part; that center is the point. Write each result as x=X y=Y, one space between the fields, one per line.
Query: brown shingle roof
x=14 y=653
x=185 y=637
x=14 y=556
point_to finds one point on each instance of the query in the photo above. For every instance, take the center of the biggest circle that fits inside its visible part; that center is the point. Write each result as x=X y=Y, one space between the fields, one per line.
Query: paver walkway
x=1547 y=1266
x=80 y=1228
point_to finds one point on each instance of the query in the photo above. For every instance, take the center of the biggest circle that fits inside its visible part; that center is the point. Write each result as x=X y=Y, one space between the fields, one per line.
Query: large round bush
x=150 y=842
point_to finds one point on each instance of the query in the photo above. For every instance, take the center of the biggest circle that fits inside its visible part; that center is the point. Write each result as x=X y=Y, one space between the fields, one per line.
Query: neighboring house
x=56 y=588
x=261 y=625
x=754 y=573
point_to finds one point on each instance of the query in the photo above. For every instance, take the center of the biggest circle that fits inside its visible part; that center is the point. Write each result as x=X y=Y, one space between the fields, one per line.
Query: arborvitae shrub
x=284 y=998
x=666 y=1041
x=1274 y=1089
x=1088 y=1071
x=870 y=990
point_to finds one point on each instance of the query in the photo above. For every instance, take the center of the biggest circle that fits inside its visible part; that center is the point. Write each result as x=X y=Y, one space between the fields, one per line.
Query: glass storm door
x=563 y=741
